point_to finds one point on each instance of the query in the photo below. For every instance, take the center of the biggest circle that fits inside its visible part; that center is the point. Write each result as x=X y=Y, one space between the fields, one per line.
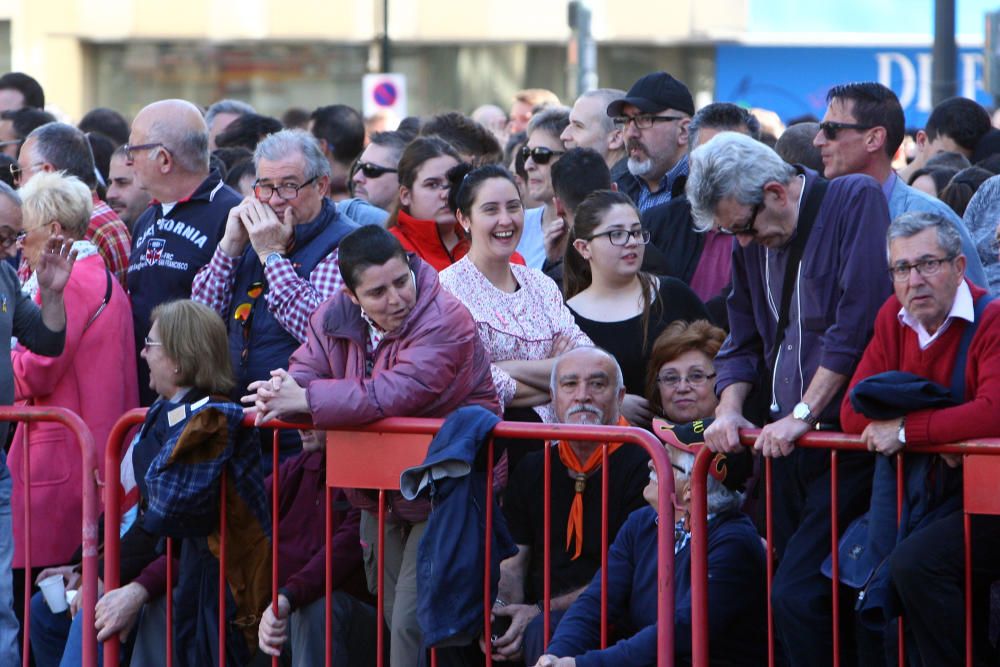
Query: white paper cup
x=54 y=590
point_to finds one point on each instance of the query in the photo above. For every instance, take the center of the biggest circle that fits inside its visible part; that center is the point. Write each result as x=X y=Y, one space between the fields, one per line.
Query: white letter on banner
x=908 y=75
x=972 y=74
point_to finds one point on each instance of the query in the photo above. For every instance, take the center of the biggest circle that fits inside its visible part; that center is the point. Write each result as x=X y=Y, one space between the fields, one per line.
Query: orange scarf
x=574 y=526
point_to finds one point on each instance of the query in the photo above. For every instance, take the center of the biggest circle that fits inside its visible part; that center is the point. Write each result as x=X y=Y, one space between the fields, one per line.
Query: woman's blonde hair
x=54 y=196
x=194 y=337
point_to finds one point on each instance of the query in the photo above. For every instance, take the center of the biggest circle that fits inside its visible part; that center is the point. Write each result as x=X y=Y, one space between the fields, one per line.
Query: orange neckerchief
x=574 y=526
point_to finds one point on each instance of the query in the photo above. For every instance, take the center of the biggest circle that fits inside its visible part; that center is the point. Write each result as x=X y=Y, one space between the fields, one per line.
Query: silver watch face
x=801 y=411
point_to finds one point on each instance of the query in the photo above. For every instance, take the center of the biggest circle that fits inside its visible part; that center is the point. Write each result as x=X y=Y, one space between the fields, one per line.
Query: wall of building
x=456 y=55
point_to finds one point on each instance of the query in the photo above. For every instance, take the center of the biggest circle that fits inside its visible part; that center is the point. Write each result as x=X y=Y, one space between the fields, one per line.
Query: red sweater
x=895 y=348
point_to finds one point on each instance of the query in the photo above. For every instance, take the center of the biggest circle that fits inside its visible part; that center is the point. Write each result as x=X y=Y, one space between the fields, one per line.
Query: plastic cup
x=54 y=590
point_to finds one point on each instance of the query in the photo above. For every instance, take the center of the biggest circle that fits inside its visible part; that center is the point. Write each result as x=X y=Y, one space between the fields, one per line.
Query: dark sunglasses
x=540 y=154
x=373 y=170
x=831 y=128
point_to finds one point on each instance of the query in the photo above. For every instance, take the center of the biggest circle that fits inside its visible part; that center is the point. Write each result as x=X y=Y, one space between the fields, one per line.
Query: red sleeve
x=880 y=355
x=154 y=577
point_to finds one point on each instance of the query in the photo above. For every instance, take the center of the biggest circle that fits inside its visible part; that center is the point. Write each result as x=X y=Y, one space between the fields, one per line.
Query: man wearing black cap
x=653 y=118
x=736 y=567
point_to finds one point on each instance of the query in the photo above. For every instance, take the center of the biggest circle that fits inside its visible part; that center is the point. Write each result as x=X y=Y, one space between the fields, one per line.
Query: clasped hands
x=276 y=398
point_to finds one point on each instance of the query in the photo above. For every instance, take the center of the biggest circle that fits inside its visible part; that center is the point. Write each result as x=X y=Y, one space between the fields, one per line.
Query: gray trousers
x=401 y=541
x=151 y=635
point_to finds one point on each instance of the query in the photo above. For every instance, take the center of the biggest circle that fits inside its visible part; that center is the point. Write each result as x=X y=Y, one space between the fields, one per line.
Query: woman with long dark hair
x=619 y=307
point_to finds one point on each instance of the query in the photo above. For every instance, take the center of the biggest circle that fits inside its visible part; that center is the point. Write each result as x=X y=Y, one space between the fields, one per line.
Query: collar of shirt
x=889 y=185
x=375 y=332
x=962 y=307
x=667 y=182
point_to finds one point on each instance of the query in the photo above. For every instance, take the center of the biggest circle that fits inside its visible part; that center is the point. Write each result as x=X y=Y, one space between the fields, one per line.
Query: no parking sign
x=384 y=92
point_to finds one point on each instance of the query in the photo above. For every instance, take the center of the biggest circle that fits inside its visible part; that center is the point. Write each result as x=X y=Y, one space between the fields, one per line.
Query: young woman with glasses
x=619 y=307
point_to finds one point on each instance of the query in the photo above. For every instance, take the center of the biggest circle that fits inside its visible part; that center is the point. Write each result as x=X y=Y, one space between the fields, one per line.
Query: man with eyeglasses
x=653 y=118
x=924 y=329
x=277 y=260
x=702 y=260
x=809 y=275
x=62 y=147
x=16 y=125
x=178 y=233
x=861 y=131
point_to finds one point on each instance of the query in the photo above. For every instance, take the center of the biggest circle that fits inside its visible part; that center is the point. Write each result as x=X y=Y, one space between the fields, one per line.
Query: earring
x=176 y=371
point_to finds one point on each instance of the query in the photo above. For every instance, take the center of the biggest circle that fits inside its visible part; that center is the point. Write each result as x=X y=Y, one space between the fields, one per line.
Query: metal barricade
x=396 y=444
x=88 y=533
x=979 y=494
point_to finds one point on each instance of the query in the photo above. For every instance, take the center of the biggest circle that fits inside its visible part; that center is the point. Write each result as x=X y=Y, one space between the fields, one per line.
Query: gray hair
x=605 y=96
x=281 y=144
x=553 y=377
x=731 y=165
x=911 y=224
x=188 y=147
x=719 y=497
x=10 y=193
x=550 y=119
x=66 y=148
x=227 y=106
x=722 y=116
x=58 y=196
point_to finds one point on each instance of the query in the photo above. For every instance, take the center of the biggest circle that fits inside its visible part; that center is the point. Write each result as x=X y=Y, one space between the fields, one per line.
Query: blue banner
x=794 y=80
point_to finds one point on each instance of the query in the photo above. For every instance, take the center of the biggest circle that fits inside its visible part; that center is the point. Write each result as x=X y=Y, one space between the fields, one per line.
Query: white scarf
x=83 y=250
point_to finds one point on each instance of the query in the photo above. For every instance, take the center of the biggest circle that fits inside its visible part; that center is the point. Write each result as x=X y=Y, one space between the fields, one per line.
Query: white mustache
x=586 y=407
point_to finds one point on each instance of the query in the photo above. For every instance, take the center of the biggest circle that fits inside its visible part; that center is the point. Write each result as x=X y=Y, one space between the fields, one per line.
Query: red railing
x=979 y=491
x=88 y=533
x=396 y=444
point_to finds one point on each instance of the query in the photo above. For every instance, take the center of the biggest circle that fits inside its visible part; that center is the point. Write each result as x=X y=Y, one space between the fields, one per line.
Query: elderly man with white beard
x=587 y=388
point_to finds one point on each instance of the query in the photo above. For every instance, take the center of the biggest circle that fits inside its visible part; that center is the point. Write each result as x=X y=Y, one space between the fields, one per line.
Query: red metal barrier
x=396 y=444
x=88 y=533
x=979 y=495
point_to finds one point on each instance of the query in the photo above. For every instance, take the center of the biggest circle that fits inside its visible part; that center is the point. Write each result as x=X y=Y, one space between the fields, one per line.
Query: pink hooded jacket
x=430 y=366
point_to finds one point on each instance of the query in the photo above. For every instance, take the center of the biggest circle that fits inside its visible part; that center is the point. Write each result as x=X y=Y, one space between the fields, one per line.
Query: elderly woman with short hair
x=94 y=377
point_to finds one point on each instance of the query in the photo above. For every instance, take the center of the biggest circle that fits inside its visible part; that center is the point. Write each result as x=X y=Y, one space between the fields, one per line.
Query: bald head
x=180 y=127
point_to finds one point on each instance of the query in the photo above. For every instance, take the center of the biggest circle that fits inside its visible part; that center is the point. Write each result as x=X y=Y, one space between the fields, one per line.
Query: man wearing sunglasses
x=809 y=274
x=177 y=234
x=374 y=178
x=860 y=133
x=653 y=118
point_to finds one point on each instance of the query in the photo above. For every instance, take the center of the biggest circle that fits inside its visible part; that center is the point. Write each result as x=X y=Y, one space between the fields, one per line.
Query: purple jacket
x=843 y=281
x=430 y=366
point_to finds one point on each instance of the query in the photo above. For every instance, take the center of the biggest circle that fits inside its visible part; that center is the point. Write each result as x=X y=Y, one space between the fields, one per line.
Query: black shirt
x=624 y=339
x=525 y=515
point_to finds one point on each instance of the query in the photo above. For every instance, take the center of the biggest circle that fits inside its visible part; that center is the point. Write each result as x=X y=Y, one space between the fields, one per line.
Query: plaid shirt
x=648 y=199
x=109 y=234
x=290 y=298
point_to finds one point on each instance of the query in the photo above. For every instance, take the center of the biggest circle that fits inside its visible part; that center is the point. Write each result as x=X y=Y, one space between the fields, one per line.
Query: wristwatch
x=901 y=436
x=272 y=258
x=803 y=412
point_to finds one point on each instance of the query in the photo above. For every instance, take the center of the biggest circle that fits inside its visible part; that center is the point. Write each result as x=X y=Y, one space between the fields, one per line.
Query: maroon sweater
x=895 y=348
x=302 y=545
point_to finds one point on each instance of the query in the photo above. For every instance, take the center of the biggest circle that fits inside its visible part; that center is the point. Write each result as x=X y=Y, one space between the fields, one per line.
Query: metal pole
x=587 y=70
x=386 y=56
x=945 y=56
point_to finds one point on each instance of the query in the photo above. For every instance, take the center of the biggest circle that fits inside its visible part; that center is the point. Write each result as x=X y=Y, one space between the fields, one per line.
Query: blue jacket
x=268 y=345
x=905 y=199
x=168 y=249
x=736 y=595
x=450 y=556
x=842 y=283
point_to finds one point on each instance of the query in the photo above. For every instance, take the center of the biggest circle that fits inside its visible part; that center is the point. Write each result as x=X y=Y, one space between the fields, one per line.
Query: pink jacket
x=95 y=377
x=432 y=365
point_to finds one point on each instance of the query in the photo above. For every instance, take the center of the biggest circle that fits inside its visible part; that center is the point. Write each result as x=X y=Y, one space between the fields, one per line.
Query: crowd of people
x=626 y=260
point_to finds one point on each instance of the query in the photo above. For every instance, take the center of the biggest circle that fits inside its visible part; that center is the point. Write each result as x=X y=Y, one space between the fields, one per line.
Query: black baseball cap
x=654 y=93
x=733 y=470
